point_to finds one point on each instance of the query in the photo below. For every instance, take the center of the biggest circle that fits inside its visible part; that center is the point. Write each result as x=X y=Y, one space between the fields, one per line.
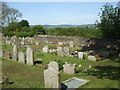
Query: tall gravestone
x=69 y=69
x=54 y=65
x=80 y=55
x=71 y=44
x=59 y=51
x=52 y=78
x=15 y=52
x=66 y=51
x=21 y=57
x=29 y=56
x=45 y=49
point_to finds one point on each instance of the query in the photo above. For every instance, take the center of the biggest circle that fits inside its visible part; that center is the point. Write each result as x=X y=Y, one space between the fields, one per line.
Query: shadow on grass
x=110 y=72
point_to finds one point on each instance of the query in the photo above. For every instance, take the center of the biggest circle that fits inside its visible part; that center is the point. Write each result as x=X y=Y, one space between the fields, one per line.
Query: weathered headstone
x=37 y=43
x=54 y=65
x=29 y=56
x=66 y=51
x=60 y=53
x=80 y=55
x=15 y=52
x=45 y=49
x=69 y=69
x=22 y=42
x=71 y=44
x=59 y=48
x=52 y=78
x=21 y=57
x=92 y=58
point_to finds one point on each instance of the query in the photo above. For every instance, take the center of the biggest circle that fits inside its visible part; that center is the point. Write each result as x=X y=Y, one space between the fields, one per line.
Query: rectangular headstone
x=69 y=69
x=66 y=51
x=80 y=55
x=92 y=58
x=21 y=57
x=29 y=56
x=51 y=78
x=15 y=53
x=71 y=44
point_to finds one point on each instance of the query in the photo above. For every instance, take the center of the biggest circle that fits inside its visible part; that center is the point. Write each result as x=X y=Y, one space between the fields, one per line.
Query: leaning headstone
x=21 y=57
x=54 y=65
x=52 y=78
x=15 y=52
x=92 y=58
x=80 y=55
x=29 y=56
x=45 y=49
x=69 y=69
x=71 y=44
x=66 y=51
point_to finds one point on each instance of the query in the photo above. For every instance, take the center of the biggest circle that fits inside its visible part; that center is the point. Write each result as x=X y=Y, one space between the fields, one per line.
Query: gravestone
x=45 y=49
x=80 y=55
x=66 y=51
x=37 y=43
x=71 y=44
x=52 y=78
x=92 y=58
x=21 y=57
x=60 y=53
x=54 y=65
x=15 y=52
x=69 y=69
x=22 y=42
x=7 y=55
x=60 y=43
x=29 y=56
x=59 y=48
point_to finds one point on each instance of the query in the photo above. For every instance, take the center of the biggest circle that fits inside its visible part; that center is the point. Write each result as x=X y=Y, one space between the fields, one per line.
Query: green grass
x=103 y=74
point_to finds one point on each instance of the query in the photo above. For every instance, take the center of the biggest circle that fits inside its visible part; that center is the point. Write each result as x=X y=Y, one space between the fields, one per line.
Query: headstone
x=71 y=44
x=80 y=55
x=7 y=55
x=52 y=78
x=45 y=49
x=66 y=51
x=60 y=53
x=15 y=52
x=21 y=57
x=29 y=56
x=60 y=43
x=22 y=42
x=54 y=65
x=37 y=43
x=59 y=48
x=69 y=69
x=92 y=58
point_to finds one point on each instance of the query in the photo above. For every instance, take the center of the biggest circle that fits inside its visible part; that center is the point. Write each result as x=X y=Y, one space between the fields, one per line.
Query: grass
x=103 y=74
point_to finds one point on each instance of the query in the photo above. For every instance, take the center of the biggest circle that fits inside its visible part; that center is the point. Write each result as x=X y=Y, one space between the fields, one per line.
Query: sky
x=56 y=13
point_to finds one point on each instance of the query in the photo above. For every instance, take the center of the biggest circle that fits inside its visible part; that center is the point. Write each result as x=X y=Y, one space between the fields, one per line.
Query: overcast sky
x=59 y=12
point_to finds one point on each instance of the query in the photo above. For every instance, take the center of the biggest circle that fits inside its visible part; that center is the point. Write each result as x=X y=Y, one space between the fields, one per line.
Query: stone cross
x=15 y=52
x=69 y=69
x=29 y=56
x=80 y=55
x=52 y=78
x=21 y=57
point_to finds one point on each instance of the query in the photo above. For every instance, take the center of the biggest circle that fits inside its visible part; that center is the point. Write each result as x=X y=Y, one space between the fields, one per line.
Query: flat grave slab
x=73 y=83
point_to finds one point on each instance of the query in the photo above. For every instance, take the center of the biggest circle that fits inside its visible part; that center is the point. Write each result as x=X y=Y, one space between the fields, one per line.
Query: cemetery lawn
x=103 y=74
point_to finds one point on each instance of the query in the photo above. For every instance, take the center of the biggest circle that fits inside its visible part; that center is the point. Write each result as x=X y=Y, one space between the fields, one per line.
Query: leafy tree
x=38 y=29
x=109 y=22
x=26 y=29
x=24 y=23
x=9 y=15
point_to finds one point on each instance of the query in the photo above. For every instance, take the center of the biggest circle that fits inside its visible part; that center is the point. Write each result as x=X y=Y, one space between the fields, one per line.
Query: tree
x=24 y=23
x=109 y=22
x=9 y=15
x=38 y=29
